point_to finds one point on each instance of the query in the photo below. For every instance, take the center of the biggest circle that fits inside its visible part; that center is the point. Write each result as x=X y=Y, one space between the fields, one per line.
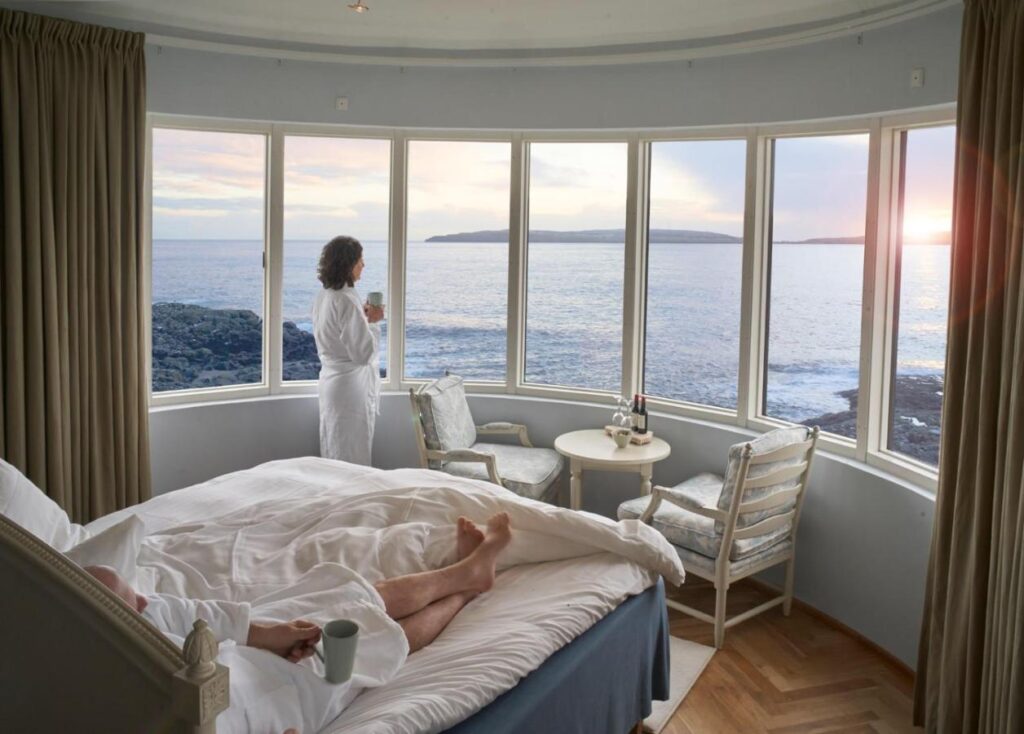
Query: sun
x=929 y=227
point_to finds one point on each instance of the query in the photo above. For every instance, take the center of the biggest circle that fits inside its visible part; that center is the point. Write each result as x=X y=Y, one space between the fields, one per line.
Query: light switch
x=917 y=77
x=341 y=104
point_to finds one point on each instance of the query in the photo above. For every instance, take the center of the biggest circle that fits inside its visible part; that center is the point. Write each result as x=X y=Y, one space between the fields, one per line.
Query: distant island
x=590 y=236
x=657 y=236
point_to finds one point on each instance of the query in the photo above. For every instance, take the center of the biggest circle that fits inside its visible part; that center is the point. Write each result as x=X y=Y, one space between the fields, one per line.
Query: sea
x=456 y=311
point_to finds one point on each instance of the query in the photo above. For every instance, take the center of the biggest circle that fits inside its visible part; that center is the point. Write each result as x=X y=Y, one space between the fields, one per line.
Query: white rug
x=687 y=662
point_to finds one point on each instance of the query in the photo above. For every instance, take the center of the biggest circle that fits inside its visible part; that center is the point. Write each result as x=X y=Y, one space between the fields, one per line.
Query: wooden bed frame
x=76 y=658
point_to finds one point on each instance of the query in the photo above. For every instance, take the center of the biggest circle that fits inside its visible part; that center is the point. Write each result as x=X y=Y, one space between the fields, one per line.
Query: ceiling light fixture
x=358 y=7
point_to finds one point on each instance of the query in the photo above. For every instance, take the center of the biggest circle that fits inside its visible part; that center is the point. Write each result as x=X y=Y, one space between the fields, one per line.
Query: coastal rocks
x=916 y=412
x=197 y=347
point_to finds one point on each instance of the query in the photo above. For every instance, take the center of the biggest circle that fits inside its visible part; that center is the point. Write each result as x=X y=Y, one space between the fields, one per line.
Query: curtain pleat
x=971 y=659
x=73 y=408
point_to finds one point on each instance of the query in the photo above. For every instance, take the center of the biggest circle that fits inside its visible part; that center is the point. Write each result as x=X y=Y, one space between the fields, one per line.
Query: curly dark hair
x=337 y=261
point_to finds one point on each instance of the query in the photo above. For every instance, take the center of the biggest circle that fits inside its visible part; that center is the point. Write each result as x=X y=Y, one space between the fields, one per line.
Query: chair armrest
x=508 y=429
x=688 y=503
x=469 y=455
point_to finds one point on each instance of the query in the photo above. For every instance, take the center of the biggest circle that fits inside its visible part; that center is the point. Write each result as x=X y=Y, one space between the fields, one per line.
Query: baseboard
x=835 y=623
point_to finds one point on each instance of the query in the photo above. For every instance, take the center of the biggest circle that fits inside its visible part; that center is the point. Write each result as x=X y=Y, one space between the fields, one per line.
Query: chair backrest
x=443 y=417
x=764 y=484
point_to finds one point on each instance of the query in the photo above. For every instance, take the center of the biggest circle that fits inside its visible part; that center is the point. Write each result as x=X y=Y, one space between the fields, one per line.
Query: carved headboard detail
x=76 y=658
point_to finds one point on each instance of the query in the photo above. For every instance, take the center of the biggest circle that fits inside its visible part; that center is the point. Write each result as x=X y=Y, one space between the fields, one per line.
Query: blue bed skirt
x=603 y=681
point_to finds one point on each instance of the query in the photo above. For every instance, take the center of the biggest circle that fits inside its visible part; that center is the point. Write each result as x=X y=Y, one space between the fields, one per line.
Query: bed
x=574 y=630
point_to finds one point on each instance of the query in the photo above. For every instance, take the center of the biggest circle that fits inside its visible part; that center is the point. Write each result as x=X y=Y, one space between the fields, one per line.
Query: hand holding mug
x=373 y=313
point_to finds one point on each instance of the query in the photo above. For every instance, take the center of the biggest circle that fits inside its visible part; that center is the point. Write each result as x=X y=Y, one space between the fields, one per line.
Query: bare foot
x=481 y=562
x=468 y=537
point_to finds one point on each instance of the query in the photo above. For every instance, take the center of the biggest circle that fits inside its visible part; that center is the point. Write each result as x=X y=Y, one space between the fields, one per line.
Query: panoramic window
x=922 y=291
x=207 y=258
x=332 y=186
x=456 y=280
x=819 y=187
x=694 y=269
x=576 y=243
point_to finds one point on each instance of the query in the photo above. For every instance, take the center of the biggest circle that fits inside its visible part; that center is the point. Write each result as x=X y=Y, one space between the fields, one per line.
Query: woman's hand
x=373 y=313
x=293 y=640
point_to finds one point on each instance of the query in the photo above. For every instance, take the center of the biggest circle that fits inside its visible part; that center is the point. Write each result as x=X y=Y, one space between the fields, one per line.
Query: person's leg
x=424 y=626
x=406 y=595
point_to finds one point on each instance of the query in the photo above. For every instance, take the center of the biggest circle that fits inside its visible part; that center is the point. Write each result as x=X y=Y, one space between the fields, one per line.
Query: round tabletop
x=595 y=446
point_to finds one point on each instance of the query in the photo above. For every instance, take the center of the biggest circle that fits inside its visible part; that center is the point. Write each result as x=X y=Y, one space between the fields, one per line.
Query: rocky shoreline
x=196 y=347
x=917 y=409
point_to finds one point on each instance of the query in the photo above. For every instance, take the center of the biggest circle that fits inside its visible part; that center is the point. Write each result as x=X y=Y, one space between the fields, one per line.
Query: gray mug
x=340 y=637
x=375 y=298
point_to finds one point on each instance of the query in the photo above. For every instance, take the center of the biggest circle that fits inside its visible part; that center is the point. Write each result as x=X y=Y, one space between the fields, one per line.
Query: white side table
x=595 y=449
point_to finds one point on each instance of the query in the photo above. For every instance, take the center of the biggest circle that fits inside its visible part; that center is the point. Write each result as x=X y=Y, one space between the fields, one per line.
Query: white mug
x=340 y=638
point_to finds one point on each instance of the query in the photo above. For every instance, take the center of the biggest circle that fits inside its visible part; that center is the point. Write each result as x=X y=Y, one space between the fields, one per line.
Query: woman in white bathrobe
x=347 y=333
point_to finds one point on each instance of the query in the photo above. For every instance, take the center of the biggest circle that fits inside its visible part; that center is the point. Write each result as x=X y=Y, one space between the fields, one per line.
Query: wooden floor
x=786 y=675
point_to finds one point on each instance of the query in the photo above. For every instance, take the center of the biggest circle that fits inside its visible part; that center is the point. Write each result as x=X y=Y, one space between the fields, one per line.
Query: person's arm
x=228 y=620
x=293 y=640
x=361 y=336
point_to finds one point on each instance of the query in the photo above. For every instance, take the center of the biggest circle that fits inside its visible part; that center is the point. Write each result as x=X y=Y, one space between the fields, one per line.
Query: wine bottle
x=635 y=413
x=642 y=418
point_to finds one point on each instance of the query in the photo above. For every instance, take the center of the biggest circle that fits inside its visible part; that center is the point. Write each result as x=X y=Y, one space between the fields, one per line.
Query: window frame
x=687 y=407
x=276 y=260
x=869 y=448
x=482 y=386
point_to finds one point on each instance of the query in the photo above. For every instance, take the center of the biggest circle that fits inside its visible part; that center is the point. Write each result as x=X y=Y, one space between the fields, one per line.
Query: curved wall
x=863 y=540
x=838 y=77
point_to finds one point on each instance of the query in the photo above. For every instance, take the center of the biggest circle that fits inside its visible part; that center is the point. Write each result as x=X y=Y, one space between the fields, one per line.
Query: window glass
x=332 y=186
x=577 y=204
x=922 y=302
x=207 y=258
x=815 y=280
x=694 y=269
x=456 y=282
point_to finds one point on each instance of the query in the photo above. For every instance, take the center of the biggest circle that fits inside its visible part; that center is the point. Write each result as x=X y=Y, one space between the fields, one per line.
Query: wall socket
x=341 y=104
x=917 y=77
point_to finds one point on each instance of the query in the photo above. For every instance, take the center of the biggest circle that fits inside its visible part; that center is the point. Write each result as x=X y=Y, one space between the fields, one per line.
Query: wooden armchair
x=446 y=437
x=725 y=529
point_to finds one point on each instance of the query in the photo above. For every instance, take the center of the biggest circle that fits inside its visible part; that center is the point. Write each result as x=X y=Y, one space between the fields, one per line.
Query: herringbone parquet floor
x=786 y=675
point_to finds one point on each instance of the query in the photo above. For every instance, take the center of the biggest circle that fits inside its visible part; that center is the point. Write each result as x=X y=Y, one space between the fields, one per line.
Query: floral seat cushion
x=529 y=472
x=695 y=532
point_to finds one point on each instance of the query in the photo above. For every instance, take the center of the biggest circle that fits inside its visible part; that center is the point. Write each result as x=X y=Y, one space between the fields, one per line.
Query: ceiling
x=494 y=31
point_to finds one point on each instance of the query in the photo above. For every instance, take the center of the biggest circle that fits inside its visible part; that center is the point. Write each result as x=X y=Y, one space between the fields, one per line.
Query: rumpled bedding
x=308 y=538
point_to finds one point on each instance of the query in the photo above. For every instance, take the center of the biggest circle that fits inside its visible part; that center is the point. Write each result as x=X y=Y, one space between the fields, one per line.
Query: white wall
x=827 y=79
x=863 y=539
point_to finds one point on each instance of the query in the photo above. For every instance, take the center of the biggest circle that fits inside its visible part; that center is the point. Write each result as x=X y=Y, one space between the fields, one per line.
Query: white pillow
x=117 y=547
x=27 y=505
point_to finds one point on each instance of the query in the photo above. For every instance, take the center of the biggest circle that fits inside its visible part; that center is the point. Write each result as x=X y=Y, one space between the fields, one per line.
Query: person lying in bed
x=421 y=603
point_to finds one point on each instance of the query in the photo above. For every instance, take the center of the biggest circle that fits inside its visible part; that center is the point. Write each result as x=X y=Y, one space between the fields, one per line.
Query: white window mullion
x=396 y=262
x=518 y=221
x=634 y=284
x=879 y=292
x=757 y=209
x=882 y=314
x=273 y=263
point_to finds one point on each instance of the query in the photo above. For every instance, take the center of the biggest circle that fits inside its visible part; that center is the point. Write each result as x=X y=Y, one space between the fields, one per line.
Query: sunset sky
x=210 y=186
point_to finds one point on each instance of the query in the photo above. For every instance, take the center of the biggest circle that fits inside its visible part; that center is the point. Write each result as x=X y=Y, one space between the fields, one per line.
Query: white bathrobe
x=349 y=385
x=269 y=694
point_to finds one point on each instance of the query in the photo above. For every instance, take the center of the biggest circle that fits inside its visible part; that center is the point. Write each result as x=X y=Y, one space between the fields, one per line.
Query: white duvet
x=309 y=537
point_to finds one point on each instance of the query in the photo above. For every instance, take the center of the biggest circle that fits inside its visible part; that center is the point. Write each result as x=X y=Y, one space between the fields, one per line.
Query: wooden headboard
x=76 y=658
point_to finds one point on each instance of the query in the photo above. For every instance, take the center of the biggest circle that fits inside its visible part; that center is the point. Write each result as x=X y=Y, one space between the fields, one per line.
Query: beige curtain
x=971 y=662
x=73 y=408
